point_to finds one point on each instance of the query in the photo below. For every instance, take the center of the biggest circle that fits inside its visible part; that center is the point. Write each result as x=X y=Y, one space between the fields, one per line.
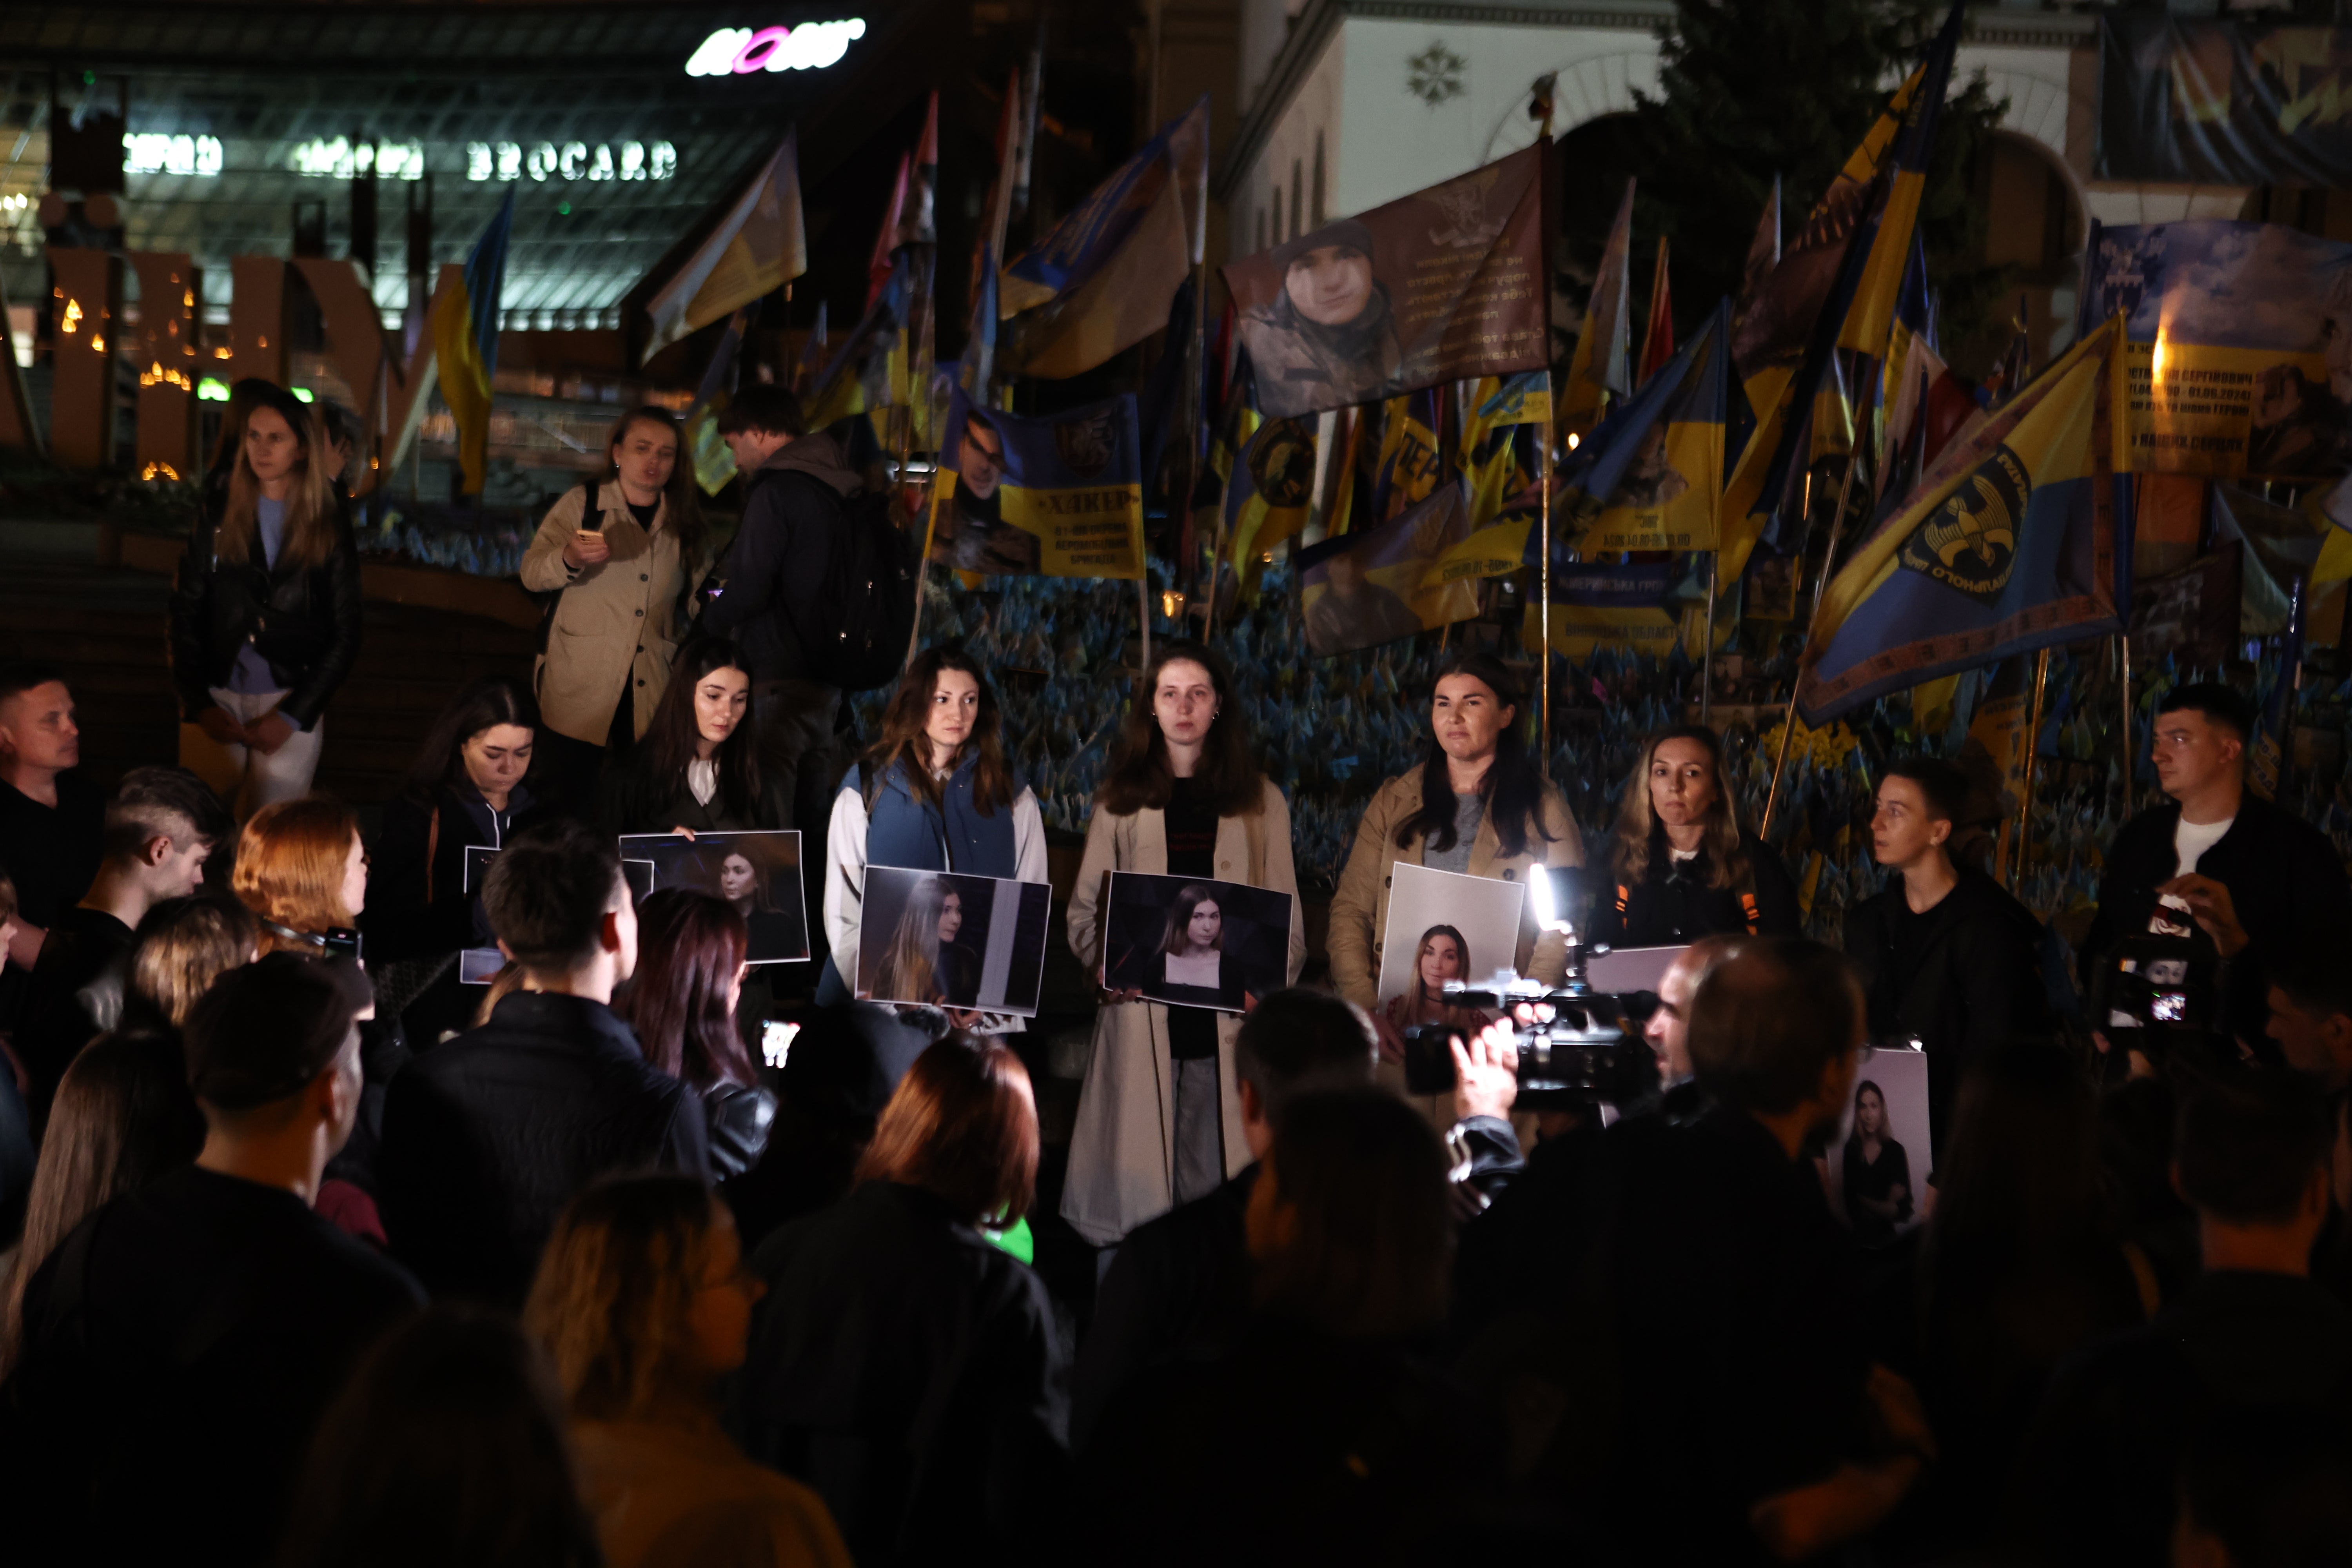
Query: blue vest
x=901 y=830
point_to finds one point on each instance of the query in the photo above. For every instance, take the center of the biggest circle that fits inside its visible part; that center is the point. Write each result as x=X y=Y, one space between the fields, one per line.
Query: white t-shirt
x=2191 y=839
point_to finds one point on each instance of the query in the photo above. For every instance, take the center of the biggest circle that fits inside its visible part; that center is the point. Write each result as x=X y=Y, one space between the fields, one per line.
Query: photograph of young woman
x=1443 y=955
x=1877 y=1172
x=923 y=963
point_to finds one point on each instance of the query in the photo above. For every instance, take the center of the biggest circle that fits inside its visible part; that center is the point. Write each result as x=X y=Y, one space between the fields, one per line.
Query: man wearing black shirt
x=1754 y=1425
x=2253 y=1337
x=161 y=826
x=486 y=1137
x=179 y=1345
x=2251 y=878
x=1944 y=954
x=1179 y=1285
x=51 y=818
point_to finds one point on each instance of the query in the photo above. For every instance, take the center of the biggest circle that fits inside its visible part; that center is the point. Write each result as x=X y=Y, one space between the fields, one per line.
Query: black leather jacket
x=304 y=620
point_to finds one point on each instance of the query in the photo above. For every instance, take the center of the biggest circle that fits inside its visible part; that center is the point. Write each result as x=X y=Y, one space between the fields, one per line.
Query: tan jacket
x=1360 y=909
x=1123 y=1151
x=616 y=621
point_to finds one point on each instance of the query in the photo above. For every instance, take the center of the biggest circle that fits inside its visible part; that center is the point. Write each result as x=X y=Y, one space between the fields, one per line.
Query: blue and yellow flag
x=465 y=342
x=1594 y=602
x=869 y=370
x=1057 y=496
x=1866 y=220
x=1269 y=484
x=1650 y=476
x=1497 y=454
x=2014 y=541
x=713 y=460
x=2270 y=769
x=1409 y=465
x=1373 y=586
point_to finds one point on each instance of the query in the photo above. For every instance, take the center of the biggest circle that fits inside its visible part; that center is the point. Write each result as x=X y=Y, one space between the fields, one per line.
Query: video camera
x=2157 y=992
x=1577 y=1046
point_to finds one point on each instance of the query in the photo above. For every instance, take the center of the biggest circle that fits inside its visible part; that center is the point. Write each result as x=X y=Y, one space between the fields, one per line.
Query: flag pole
x=1707 y=636
x=1812 y=618
x=2025 y=785
x=2123 y=656
x=1543 y=613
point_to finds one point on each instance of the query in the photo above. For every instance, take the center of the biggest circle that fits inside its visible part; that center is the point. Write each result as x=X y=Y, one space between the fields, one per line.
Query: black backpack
x=863 y=618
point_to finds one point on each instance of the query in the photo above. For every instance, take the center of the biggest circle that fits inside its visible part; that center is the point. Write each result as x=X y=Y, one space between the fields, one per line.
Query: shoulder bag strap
x=432 y=851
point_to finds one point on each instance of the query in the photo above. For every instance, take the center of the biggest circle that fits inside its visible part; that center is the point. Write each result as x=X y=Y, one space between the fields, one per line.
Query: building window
x=1297 y=207
x=1317 y=208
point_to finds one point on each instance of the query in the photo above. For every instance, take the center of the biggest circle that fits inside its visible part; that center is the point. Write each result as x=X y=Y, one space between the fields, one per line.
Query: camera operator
x=1944 y=952
x=2249 y=875
x=1764 y=1429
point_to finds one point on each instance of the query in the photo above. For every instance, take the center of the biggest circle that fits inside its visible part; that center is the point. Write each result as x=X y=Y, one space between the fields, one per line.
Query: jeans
x=246 y=779
x=795 y=720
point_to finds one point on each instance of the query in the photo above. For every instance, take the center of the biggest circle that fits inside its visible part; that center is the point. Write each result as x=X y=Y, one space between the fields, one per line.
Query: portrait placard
x=758 y=873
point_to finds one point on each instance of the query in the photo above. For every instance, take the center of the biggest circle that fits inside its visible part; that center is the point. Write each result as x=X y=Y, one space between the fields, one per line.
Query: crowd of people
x=421 y=1189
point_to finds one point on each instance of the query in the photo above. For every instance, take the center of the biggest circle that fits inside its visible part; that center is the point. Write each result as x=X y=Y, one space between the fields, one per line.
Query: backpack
x=862 y=620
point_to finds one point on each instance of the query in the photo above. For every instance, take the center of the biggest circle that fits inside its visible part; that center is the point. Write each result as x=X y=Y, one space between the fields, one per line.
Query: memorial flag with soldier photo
x=2014 y=541
x=1445 y=284
x=1060 y=495
x=2240 y=346
x=1268 y=492
x=1372 y=587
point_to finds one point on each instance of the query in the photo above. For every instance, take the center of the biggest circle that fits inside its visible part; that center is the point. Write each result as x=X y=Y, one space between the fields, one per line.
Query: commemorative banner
x=1369 y=587
x=1447 y=284
x=2236 y=102
x=2239 y=358
x=1057 y=496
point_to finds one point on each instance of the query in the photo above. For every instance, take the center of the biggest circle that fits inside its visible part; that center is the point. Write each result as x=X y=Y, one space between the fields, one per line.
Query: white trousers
x=246 y=779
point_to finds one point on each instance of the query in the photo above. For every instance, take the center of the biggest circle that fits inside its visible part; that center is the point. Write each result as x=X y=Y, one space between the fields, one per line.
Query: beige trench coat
x=616 y=620
x=1123 y=1151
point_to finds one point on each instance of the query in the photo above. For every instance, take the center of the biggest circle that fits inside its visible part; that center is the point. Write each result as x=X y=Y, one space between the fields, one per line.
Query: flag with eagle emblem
x=2014 y=540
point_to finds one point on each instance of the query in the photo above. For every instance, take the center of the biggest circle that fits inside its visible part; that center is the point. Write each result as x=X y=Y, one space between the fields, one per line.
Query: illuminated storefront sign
x=342 y=159
x=740 y=51
x=153 y=152
x=571 y=161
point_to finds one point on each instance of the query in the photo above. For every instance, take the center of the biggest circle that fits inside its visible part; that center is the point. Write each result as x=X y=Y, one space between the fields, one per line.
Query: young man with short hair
x=1945 y=952
x=798 y=484
x=51 y=818
x=1181 y=1283
x=487 y=1136
x=180 y=1343
x=2311 y=1007
x=161 y=826
x=2252 y=1337
x=2251 y=877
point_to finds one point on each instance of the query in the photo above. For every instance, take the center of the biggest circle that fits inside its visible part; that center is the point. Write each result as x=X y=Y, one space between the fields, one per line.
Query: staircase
x=105 y=627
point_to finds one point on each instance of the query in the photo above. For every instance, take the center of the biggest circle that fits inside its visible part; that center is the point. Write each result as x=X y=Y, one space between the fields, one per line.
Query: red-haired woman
x=1159 y=1118
x=681 y=1002
x=933 y=794
x=901 y=1364
x=265 y=616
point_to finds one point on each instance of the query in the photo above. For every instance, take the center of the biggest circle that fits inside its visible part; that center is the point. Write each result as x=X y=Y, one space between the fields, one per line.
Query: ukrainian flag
x=1269 y=486
x=1499 y=455
x=2014 y=541
x=870 y=369
x=1072 y=481
x=1859 y=312
x=465 y=342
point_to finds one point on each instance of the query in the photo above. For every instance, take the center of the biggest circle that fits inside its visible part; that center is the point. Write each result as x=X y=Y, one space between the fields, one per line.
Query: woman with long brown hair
x=698 y=766
x=644 y=1304
x=933 y=794
x=265 y=616
x=1683 y=866
x=1159 y=1118
x=622 y=553
x=681 y=1002
x=1444 y=954
x=903 y=1363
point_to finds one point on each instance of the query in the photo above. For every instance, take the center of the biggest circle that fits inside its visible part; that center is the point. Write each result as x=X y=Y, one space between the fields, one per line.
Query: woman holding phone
x=265 y=616
x=1159 y=1116
x=621 y=553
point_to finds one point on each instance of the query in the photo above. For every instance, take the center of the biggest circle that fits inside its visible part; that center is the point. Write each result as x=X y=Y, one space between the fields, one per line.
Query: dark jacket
x=179 y=1346
x=777 y=565
x=2094 y=1484
x=419 y=907
x=1295 y=1446
x=59 y=1015
x=486 y=1139
x=1673 y=905
x=305 y=621
x=910 y=1371
x=634 y=801
x=2284 y=878
x=1963 y=977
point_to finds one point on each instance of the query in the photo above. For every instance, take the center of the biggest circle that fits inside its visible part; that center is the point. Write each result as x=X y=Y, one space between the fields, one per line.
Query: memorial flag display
x=1444 y=285
x=465 y=345
x=2240 y=346
x=2241 y=101
x=1374 y=586
x=758 y=248
x=1059 y=496
x=2014 y=541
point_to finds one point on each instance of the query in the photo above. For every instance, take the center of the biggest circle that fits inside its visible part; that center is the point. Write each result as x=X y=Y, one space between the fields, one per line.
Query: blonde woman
x=1681 y=865
x=621 y=551
x=265 y=615
x=644 y=1304
x=923 y=963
